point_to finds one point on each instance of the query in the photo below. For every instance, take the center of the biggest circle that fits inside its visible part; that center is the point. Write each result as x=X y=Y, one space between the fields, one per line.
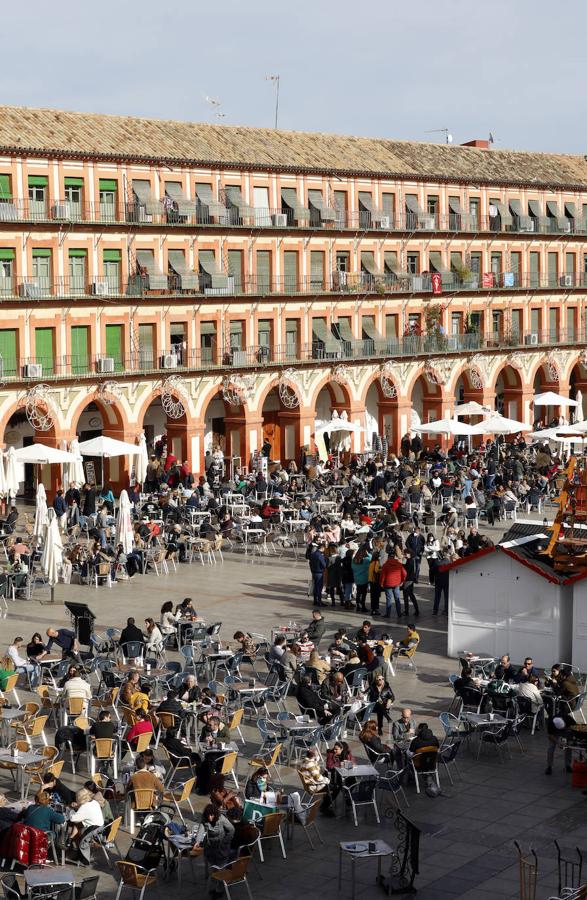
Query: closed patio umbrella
x=446 y=426
x=52 y=557
x=3 y=485
x=78 y=465
x=141 y=460
x=579 y=409
x=124 y=533
x=11 y=473
x=41 y=516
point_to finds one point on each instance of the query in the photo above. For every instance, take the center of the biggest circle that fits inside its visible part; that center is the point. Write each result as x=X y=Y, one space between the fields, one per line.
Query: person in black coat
x=308 y=698
x=130 y=635
x=318 y=565
x=89 y=500
x=412 y=567
x=171 y=705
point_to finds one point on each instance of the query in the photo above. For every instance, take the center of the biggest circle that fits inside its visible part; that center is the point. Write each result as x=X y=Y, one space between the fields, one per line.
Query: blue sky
x=387 y=68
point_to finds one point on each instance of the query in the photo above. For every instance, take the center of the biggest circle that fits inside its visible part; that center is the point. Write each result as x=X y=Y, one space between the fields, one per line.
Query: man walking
x=415 y=543
x=392 y=576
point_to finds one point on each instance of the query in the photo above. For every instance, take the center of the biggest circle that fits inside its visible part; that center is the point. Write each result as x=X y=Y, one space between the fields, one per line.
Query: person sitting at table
x=366 y=654
x=171 y=705
x=228 y=800
x=339 y=753
x=319 y=665
x=258 y=786
x=185 y=609
x=70 y=672
x=104 y=727
x=141 y=697
x=335 y=691
x=130 y=634
x=338 y=649
x=528 y=669
x=374 y=746
x=364 y=631
x=316 y=628
x=215 y=732
x=404 y=728
x=20 y=662
x=142 y=779
x=304 y=643
x=314 y=780
x=189 y=692
x=57 y=791
x=84 y=821
x=98 y=795
x=168 y=619
x=291 y=661
x=129 y=687
x=36 y=649
x=76 y=686
x=40 y=814
x=143 y=725
x=246 y=645
x=564 y=684
x=6 y=671
x=529 y=697
x=148 y=758
x=214 y=836
x=278 y=648
x=382 y=696
x=465 y=681
x=309 y=699
x=423 y=738
x=504 y=671
x=154 y=635
x=66 y=641
x=352 y=664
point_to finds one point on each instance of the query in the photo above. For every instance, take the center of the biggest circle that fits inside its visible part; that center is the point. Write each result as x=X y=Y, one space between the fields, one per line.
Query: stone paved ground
x=471 y=856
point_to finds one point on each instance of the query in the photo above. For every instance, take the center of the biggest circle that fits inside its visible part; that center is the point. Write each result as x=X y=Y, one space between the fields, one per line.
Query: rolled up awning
x=205 y=197
x=316 y=200
x=571 y=210
x=321 y=332
x=146 y=198
x=413 y=206
x=289 y=196
x=454 y=205
x=366 y=201
x=391 y=262
x=157 y=280
x=435 y=260
x=368 y=263
x=555 y=213
x=188 y=279
x=175 y=192
x=524 y=221
x=368 y=326
x=208 y=328
x=235 y=200
x=344 y=329
x=504 y=213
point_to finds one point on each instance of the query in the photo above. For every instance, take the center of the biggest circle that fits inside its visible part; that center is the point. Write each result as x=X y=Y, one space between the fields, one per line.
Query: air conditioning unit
x=279 y=220
x=61 y=211
x=565 y=226
x=100 y=288
x=169 y=361
x=531 y=339
x=144 y=216
x=32 y=370
x=339 y=280
x=105 y=364
x=30 y=290
x=427 y=223
x=385 y=222
x=566 y=281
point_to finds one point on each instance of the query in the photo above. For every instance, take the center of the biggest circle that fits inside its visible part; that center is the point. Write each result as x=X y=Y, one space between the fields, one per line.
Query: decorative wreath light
x=388 y=387
x=287 y=394
x=475 y=378
x=172 y=405
x=341 y=374
x=433 y=377
x=108 y=392
x=37 y=408
x=551 y=369
x=236 y=388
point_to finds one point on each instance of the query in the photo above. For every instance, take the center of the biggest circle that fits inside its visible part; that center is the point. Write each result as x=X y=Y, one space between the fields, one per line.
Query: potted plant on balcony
x=467 y=278
x=435 y=333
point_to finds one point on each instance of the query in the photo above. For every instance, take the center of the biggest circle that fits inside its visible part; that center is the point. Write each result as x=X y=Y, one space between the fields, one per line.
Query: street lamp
x=275 y=78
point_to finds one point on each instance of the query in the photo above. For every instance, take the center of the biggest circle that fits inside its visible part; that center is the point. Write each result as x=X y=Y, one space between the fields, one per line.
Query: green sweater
x=42 y=817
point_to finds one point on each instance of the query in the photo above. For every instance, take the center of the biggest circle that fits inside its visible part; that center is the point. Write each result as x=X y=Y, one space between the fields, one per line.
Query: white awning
x=39 y=453
x=175 y=192
x=107 y=446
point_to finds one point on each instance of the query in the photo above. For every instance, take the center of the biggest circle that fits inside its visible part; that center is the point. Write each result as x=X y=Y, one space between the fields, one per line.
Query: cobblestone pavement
x=468 y=849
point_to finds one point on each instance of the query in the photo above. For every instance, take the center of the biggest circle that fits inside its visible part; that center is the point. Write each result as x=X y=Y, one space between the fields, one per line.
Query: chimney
x=480 y=145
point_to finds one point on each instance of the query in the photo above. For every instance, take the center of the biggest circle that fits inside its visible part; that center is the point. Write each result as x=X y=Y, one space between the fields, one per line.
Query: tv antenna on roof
x=444 y=131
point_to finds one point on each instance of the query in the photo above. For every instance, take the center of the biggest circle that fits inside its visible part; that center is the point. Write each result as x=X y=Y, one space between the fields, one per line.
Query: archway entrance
x=332 y=398
x=578 y=390
x=381 y=418
x=508 y=393
x=20 y=433
x=545 y=380
x=225 y=429
x=281 y=427
x=158 y=425
x=101 y=417
x=426 y=401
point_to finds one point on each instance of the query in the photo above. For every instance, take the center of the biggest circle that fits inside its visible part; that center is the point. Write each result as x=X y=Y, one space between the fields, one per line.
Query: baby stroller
x=147 y=849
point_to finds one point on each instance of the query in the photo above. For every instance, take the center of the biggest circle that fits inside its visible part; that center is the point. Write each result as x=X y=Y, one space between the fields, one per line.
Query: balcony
x=16 y=290
x=207 y=359
x=216 y=216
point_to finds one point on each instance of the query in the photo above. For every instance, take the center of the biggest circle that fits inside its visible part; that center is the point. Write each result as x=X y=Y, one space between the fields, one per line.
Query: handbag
x=103 y=568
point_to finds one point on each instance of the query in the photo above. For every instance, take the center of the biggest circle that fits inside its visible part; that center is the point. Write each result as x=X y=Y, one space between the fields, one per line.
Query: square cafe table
x=49 y=875
x=360 y=850
x=28 y=758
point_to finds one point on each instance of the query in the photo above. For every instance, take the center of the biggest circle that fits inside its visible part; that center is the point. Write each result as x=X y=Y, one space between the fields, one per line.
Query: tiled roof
x=123 y=137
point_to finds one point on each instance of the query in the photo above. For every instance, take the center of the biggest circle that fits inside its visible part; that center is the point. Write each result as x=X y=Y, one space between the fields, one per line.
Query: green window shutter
x=41 y=251
x=290 y=271
x=112 y=256
x=5 y=188
x=263 y=271
x=38 y=181
x=80 y=349
x=44 y=349
x=7 y=253
x=108 y=184
x=73 y=182
x=146 y=344
x=114 y=344
x=235 y=268
x=78 y=252
x=317 y=270
x=8 y=350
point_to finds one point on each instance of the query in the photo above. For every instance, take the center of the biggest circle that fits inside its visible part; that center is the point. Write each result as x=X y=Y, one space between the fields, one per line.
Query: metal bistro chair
x=134 y=878
x=231 y=874
x=391 y=781
x=497 y=739
x=271 y=830
x=362 y=793
x=307 y=819
x=425 y=763
x=447 y=756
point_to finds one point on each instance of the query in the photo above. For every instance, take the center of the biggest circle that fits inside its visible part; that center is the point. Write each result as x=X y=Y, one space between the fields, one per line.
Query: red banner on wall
x=487 y=280
x=436 y=283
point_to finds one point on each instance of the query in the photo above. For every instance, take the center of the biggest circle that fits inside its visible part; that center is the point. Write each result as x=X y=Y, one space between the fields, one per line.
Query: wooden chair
x=165 y=721
x=268 y=761
x=140 y=801
x=229 y=764
x=107 y=836
x=34 y=771
x=181 y=796
x=102 y=750
x=271 y=830
x=235 y=723
x=142 y=742
x=233 y=873
x=10 y=688
x=32 y=729
x=74 y=707
x=307 y=819
x=407 y=654
x=134 y=878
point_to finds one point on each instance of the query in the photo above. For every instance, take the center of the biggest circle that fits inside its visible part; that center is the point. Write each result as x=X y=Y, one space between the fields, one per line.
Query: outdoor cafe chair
x=391 y=781
x=447 y=756
x=495 y=738
x=424 y=763
x=231 y=874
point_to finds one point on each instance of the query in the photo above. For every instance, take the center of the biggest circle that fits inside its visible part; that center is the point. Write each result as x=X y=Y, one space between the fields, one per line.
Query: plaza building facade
x=224 y=285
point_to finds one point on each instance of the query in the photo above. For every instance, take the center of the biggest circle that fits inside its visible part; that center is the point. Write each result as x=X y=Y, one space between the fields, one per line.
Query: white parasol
x=52 y=556
x=41 y=517
x=124 y=533
x=141 y=460
x=106 y=446
x=549 y=398
x=498 y=424
x=11 y=473
x=446 y=426
x=579 y=410
x=41 y=454
x=472 y=409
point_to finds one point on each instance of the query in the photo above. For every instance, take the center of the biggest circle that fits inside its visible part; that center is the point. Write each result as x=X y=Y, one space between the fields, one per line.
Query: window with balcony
x=571 y=320
x=38 y=196
x=235 y=269
x=516 y=320
x=40 y=286
x=391 y=327
x=45 y=349
x=146 y=346
x=388 y=206
x=208 y=342
x=317 y=270
x=432 y=208
x=111 y=261
x=292 y=338
x=553 y=324
x=455 y=214
x=181 y=277
x=80 y=349
x=497 y=323
x=115 y=346
x=290 y=271
x=344 y=331
x=108 y=191
x=570 y=269
x=496 y=266
x=343 y=261
x=476 y=266
x=9 y=351
x=264 y=330
x=263 y=264
x=536 y=322
x=261 y=206
x=534 y=269
x=78 y=274
x=178 y=342
x=8 y=211
x=365 y=209
x=320 y=213
x=7 y=259
x=413 y=263
x=456 y=323
x=552 y=263
x=237 y=353
x=516 y=268
x=391 y=267
x=209 y=209
x=340 y=207
x=74 y=196
x=474 y=207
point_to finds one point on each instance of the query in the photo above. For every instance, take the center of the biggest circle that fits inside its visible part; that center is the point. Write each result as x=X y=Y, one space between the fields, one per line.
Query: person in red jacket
x=391 y=577
x=143 y=725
